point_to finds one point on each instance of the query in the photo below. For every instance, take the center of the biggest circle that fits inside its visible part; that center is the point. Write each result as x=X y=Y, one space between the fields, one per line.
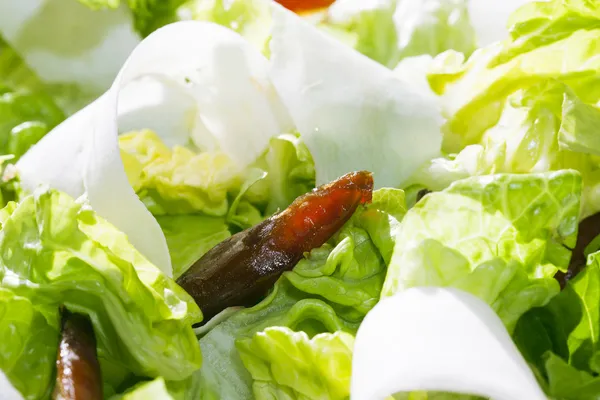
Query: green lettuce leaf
x=27 y=112
x=543 y=127
x=249 y=18
x=566 y=382
x=499 y=237
x=289 y=172
x=29 y=337
x=322 y=365
x=388 y=31
x=433 y=26
x=524 y=105
x=183 y=181
x=189 y=237
x=328 y=293
x=148 y=15
x=178 y=180
x=14 y=72
x=561 y=339
x=368 y=28
x=57 y=251
x=474 y=91
x=538 y=23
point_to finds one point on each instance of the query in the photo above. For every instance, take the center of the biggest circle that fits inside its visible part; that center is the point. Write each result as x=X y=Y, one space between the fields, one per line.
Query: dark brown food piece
x=305 y=6
x=240 y=270
x=589 y=228
x=78 y=370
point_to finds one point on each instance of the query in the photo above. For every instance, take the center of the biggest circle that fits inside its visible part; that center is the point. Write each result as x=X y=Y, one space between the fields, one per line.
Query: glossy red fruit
x=240 y=270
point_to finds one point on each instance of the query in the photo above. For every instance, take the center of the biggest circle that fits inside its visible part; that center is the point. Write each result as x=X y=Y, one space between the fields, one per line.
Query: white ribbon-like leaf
x=437 y=339
x=235 y=102
x=352 y=112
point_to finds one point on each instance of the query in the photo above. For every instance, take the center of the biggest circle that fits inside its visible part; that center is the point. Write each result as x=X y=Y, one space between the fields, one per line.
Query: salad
x=372 y=200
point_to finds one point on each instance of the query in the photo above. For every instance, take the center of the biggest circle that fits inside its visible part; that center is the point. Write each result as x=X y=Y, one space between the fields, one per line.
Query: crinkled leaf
x=178 y=180
x=388 y=31
x=321 y=365
x=28 y=345
x=57 y=251
x=433 y=26
x=542 y=127
x=290 y=172
x=499 y=237
x=250 y=18
x=539 y=23
x=27 y=113
x=475 y=91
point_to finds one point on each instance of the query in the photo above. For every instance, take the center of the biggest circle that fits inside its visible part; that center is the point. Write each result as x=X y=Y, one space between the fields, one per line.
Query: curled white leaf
x=437 y=339
x=235 y=104
x=352 y=112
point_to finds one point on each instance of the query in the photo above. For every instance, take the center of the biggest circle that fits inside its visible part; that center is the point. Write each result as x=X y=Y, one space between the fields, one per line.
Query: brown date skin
x=589 y=228
x=240 y=270
x=78 y=370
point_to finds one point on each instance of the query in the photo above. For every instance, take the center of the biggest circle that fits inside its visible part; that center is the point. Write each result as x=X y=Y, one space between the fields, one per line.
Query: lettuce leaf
x=561 y=339
x=289 y=172
x=524 y=105
x=30 y=335
x=367 y=26
x=57 y=251
x=178 y=180
x=543 y=127
x=249 y=18
x=433 y=26
x=388 y=31
x=189 y=237
x=499 y=237
x=27 y=112
x=538 y=24
x=148 y=15
x=474 y=92
x=321 y=364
